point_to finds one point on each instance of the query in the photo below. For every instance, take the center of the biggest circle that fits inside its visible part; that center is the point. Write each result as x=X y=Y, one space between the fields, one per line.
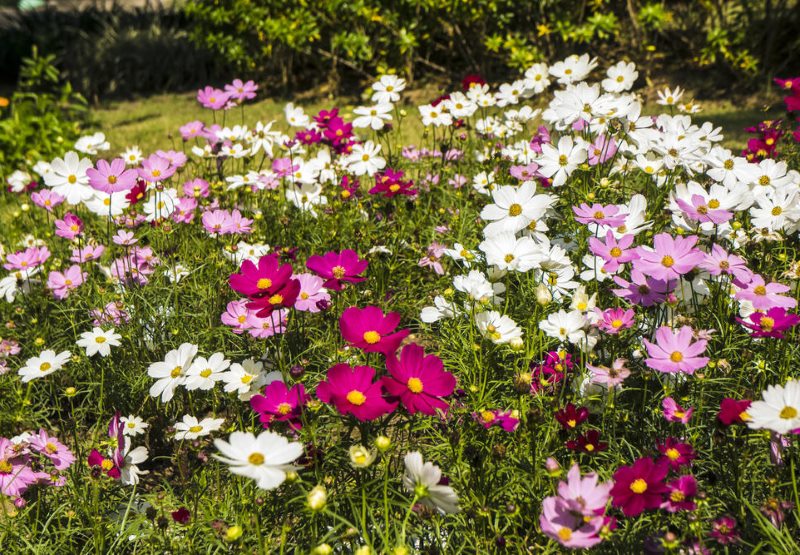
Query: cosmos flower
x=423 y=479
x=419 y=381
x=265 y=458
x=338 y=267
x=370 y=330
x=352 y=391
x=639 y=487
x=675 y=352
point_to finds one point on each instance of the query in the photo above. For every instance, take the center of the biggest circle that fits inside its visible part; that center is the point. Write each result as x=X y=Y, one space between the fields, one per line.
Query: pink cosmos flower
x=584 y=495
x=47 y=199
x=765 y=295
x=280 y=404
x=610 y=377
x=435 y=252
x=238 y=224
x=28 y=259
x=184 y=210
x=772 y=324
x=675 y=453
x=155 y=168
x=673 y=412
x=525 y=173
x=270 y=324
x=724 y=530
x=674 y=352
x=680 y=494
x=192 y=130
x=614 y=320
x=70 y=227
x=601 y=150
x=701 y=210
x=215 y=222
x=671 y=258
x=639 y=487
x=235 y=316
x=61 y=284
x=111 y=178
x=15 y=474
x=338 y=267
x=87 y=253
x=560 y=523
x=49 y=446
x=599 y=214
x=196 y=188
x=643 y=290
x=241 y=91
x=719 y=261
x=613 y=251
x=311 y=292
x=176 y=158
x=390 y=183
x=211 y=98
x=496 y=417
x=368 y=329
x=419 y=381
x=124 y=238
x=352 y=391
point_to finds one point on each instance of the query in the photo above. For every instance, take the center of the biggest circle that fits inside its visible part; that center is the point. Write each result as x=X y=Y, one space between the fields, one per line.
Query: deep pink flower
x=639 y=487
x=419 y=381
x=614 y=320
x=70 y=227
x=598 y=214
x=674 y=352
x=733 y=411
x=368 y=329
x=181 y=516
x=673 y=412
x=724 y=531
x=570 y=417
x=280 y=404
x=352 y=391
x=338 y=267
x=765 y=295
x=111 y=178
x=675 y=453
x=390 y=183
x=613 y=251
x=680 y=494
x=496 y=417
x=587 y=443
x=268 y=285
x=770 y=324
x=671 y=258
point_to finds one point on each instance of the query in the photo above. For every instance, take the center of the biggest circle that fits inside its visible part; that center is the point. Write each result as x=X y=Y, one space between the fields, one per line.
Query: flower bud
x=317 y=498
x=233 y=533
x=383 y=443
x=361 y=457
x=543 y=295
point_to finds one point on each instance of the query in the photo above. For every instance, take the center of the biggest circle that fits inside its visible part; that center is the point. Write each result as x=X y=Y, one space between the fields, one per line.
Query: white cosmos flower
x=161 y=204
x=442 y=308
x=91 y=144
x=247 y=377
x=171 y=372
x=374 y=117
x=204 y=373
x=558 y=162
x=99 y=341
x=479 y=289
x=104 y=204
x=132 y=155
x=306 y=197
x=508 y=252
x=18 y=180
x=621 y=77
x=246 y=251
x=191 y=428
x=129 y=473
x=46 y=363
x=133 y=425
x=387 y=89
x=669 y=97
x=565 y=326
x=296 y=116
x=68 y=178
x=422 y=479
x=365 y=160
x=779 y=409
x=536 y=78
x=498 y=328
x=514 y=208
x=435 y=115
x=265 y=458
x=573 y=69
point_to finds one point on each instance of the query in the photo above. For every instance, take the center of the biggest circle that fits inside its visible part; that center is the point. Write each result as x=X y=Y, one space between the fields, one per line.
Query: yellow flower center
x=572 y=423
x=787 y=412
x=760 y=290
x=365 y=158
x=45 y=366
x=667 y=261
x=156 y=173
x=616 y=323
x=371 y=337
x=639 y=486
x=355 y=397
x=672 y=454
x=50 y=447
x=195 y=429
x=256 y=459
x=100 y=339
x=598 y=215
x=562 y=160
x=107 y=464
x=176 y=371
x=676 y=496
x=394 y=187
x=487 y=416
x=777 y=211
x=589 y=447
x=72 y=179
x=205 y=373
x=247 y=378
x=508 y=258
x=112 y=179
x=514 y=210
x=414 y=385
x=304 y=295
x=284 y=408
x=338 y=272
x=264 y=283
x=616 y=252
x=763 y=180
x=276 y=299
x=713 y=204
x=565 y=534
x=676 y=356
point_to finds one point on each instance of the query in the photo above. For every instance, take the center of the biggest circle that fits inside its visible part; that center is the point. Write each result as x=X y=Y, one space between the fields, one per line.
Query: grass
x=152 y=122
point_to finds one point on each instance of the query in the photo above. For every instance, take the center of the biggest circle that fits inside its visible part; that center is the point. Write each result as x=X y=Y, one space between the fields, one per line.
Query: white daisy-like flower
x=779 y=409
x=422 y=479
x=45 y=364
x=133 y=425
x=99 y=341
x=192 y=428
x=265 y=458
x=171 y=372
x=206 y=372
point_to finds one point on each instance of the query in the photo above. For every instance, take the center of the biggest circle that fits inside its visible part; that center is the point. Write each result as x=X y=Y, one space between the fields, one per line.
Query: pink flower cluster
x=32 y=459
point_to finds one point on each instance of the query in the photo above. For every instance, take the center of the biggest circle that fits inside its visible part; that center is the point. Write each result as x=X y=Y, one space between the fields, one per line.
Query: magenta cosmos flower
x=639 y=487
x=673 y=412
x=671 y=258
x=613 y=252
x=368 y=329
x=770 y=324
x=674 y=352
x=280 y=404
x=675 y=453
x=765 y=295
x=352 y=391
x=111 y=178
x=211 y=98
x=419 y=381
x=614 y=320
x=560 y=523
x=337 y=267
x=599 y=214
x=69 y=227
x=680 y=496
x=268 y=285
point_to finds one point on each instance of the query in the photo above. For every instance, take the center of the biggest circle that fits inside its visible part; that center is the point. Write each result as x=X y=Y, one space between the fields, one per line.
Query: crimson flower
x=419 y=381
x=352 y=391
x=639 y=487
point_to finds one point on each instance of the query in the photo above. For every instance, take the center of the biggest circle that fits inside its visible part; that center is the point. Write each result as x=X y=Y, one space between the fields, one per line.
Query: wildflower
x=280 y=404
x=171 y=372
x=724 y=531
x=514 y=208
x=560 y=523
x=431 y=259
x=69 y=227
x=733 y=411
x=570 y=417
x=390 y=183
x=498 y=328
x=419 y=381
x=99 y=341
x=673 y=412
x=268 y=285
x=675 y=352
x=241 y=91
x=558 y=162
x=599 y=215
x=192 y=428
x=671 y=257
x=49 y=446
x=613 y=251
x=67 y=177
x=364 y=159
x=765 y=295
x=680 y=494
x=496 y=417
x=246 y=377
x=15 y=474
x=181 y=516
x=423 y=479
x=719 y=261
x=211 y=98
x=317 y=498
x=344 y=266
x=155 y=169
x=361 y=457
x=639 y=487
x=779 y=409
x=111 y=178
x=133 y=425
x=387 y=89
x=610 y=377
x=614 y=320
x=565 y=326
x=45 y=364
x=47 y=199
x=370 y=330
x=204 y=373
x=675 y=453
x=770 y=324
x=61 y=284
x=587 y=443
x=352 y=391
x=265 y=458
